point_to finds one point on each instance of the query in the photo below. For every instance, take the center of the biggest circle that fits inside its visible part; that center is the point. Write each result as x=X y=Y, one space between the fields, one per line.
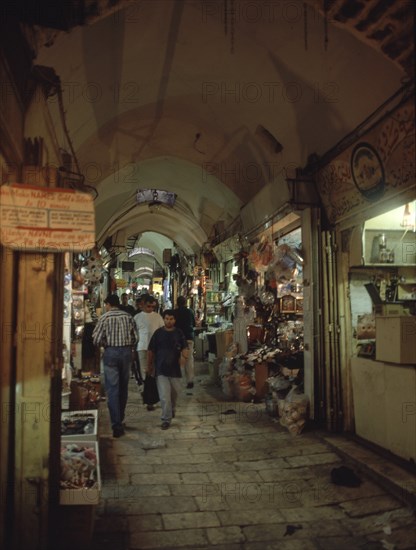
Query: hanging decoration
x=225 y=18
x=286 y=261
x=232 y=26
x=325 y=24
x=261 y=253
x=231 y=12
x=305 y=25
x=92 y=268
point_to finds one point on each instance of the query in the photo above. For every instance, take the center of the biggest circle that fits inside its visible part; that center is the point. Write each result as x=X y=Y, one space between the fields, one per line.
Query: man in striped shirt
x=116 y=332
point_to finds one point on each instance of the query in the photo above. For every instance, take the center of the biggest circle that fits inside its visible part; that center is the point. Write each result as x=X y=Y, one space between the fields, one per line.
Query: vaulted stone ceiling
x=184 y=96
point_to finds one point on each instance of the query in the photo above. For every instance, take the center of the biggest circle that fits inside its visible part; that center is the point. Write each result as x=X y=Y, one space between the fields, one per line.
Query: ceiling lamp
x=155 y=198
x=408 y=220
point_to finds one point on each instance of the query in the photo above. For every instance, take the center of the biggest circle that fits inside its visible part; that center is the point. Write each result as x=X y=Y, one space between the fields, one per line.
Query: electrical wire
x=57 y=89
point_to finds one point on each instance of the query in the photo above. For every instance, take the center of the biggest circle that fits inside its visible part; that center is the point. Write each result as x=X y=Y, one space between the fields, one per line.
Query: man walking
x=167 y=354
x=116 y=332
x=147 y=321
x=125 y=306
x=185 y=320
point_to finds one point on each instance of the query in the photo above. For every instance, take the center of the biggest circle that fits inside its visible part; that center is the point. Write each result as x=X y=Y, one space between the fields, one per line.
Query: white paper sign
x=46 y=219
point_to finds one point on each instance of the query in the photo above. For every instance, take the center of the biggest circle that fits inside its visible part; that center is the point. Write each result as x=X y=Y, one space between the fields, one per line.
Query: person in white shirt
x=147 y=321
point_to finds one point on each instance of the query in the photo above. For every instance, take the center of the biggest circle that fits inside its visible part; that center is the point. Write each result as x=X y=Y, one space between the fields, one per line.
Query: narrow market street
x=226 y=475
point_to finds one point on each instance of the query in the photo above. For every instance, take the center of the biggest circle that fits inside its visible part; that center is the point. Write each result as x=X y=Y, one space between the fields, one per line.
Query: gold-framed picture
x=288 y=304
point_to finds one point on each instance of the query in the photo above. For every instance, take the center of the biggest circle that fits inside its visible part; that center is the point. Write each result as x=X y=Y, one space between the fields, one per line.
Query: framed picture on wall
x=367 y=171
x=299 y=305
x=288 y=304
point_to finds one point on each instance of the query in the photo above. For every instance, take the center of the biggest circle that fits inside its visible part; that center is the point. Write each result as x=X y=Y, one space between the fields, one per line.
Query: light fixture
x=167 y=198
x=408 y=221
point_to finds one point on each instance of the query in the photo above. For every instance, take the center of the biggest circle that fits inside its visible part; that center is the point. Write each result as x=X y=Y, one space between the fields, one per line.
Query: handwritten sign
x=46 y=219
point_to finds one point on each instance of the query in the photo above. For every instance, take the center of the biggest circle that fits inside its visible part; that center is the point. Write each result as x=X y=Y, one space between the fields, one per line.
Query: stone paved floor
x=233 y=481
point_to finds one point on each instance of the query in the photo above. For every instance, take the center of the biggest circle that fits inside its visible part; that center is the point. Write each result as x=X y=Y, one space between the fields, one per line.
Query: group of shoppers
x=164 y=346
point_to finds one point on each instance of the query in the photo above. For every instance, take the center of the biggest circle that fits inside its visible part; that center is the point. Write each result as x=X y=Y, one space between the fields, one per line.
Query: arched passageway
x=215 y=101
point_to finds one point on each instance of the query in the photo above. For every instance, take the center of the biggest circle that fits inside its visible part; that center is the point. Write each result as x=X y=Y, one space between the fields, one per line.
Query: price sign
x=46 y=219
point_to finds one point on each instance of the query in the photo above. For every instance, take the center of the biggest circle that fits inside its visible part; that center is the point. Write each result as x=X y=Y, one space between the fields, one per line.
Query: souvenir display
x=78 y=466
x=268 y=349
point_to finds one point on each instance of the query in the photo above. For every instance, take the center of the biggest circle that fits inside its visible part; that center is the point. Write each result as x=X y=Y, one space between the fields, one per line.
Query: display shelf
x=214 y=296
x=82 y=495
x=363 y=267
x=213 y=306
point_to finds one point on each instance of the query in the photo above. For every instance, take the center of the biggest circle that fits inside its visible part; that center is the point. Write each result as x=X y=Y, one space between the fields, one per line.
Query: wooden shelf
x=377 y=266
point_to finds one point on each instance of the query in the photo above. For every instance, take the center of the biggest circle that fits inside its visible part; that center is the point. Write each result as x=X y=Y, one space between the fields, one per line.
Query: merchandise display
x=293 y=411
x=85 y=392
x=80 y=482
x=79 y=425
x=266 y=360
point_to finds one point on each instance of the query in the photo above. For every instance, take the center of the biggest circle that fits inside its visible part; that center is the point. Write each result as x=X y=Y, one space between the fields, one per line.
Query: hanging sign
x=46 y=219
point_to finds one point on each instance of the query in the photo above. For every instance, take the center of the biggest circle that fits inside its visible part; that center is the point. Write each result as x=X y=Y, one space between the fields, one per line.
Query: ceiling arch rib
x=171 y=223
x=199 y=193
x=155 y=242
x=201 y=201
x=147 y=253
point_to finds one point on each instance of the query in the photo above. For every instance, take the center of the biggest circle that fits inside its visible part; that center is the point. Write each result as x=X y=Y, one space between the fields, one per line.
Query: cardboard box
x=261 y=373
x=85 y=496
x=81 y=414
x=396 y=339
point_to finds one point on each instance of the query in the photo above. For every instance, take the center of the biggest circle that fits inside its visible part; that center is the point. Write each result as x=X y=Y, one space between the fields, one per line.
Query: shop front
x=267 y=302
x=383 y=310
x=369 y=196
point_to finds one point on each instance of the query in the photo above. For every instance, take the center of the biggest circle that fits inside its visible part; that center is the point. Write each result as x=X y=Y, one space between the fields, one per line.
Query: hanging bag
x=150 y=393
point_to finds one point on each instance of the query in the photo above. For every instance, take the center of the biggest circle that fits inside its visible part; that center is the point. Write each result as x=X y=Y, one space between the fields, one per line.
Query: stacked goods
x=77 y=424
x=246 y=390
x=293 y=411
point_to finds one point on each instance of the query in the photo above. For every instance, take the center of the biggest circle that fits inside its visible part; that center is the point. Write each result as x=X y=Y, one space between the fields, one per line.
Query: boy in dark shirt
x=166 y=356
